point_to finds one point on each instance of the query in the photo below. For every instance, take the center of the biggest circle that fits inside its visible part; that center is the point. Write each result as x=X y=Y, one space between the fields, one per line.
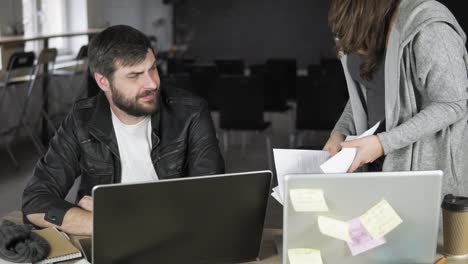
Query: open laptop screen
x=415 y=196
x=213 y=219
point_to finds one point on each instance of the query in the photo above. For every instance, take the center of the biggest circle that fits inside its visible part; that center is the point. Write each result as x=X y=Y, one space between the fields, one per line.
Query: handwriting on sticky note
x=380 y=219
x=304 y=256
x=334 y=228
x=361 y=240
x=308 y=200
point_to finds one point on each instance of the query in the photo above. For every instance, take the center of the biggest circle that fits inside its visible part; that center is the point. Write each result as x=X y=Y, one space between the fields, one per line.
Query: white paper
x=341 y=162
x=276 y=195
x=297 y=161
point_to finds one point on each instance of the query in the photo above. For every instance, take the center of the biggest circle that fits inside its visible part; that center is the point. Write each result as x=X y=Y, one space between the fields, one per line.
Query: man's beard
x=132 y=106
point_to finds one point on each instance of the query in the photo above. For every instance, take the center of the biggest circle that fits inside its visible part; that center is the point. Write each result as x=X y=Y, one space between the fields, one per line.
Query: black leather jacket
x=184 y=144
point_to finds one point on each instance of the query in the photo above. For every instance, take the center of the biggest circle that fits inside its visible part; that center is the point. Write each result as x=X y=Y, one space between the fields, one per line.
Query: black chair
x=179 y=65
x=320 y=101
x=235 y=67
x=275 y=94
x=242 y=108
x=285 y=74
x=203 y=83
x=78 y=70
x=20 y=70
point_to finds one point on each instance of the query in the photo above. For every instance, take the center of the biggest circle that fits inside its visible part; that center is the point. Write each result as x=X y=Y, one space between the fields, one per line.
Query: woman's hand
x=333 y=144
x=368 y=150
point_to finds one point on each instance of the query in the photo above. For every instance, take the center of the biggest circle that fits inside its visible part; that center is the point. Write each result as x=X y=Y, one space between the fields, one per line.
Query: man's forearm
x=77 y=221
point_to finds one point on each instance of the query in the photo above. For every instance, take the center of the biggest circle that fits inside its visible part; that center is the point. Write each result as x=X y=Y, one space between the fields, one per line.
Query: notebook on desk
x=212 y=219
x=409 y=201
x=61 y=248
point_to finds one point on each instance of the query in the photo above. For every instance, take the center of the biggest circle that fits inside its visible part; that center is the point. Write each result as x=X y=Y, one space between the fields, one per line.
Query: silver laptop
x=211 y=219
x=415 y=197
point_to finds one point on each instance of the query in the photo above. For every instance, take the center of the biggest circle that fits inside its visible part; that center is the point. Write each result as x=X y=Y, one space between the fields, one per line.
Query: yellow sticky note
x=334 y=228
x=304 y=256
x=380 y=219
x=308 y=200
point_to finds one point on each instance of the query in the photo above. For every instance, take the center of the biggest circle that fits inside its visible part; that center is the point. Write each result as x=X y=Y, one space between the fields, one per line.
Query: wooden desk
x=268 y=252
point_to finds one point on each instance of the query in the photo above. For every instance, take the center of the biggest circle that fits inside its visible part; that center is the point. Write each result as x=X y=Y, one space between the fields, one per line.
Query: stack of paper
x=298 y=161
x=341 y=162
x=295 y=161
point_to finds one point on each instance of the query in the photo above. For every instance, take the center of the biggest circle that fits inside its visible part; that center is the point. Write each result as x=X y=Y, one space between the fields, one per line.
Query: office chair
x=235 y=67
x=320 y=102
x=203 y=83
x=179 y=65
x=241 y=109
x=285 y=73
x=79 y=67
x=19 y=64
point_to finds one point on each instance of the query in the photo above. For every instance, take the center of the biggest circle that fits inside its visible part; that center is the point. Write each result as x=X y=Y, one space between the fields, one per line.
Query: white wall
x=77 y=21
x=141 y=14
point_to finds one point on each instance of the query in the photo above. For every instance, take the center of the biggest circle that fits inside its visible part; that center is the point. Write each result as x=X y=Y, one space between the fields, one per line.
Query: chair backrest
x=47 y=55
x=203 y=81
x=82 y=53
x=21 y=60
x=319 y=104
x=286 y=74
x=242 y=102
x=275 y=93
x=20 y=64
x=230 y=66
x=179 y=65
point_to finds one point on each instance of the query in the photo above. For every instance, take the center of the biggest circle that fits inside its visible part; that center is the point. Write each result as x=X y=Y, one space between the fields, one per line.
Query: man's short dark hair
x=123 y=44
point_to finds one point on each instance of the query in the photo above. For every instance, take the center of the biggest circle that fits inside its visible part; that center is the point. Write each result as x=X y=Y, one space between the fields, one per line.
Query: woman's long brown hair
x=362 y=26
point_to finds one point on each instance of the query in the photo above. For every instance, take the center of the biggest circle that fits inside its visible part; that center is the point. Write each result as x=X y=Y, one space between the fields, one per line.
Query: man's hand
x=333 y=144
x=86 y=203
x=368 y=150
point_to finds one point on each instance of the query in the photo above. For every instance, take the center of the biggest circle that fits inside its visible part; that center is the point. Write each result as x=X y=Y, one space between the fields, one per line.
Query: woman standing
x=405 y=64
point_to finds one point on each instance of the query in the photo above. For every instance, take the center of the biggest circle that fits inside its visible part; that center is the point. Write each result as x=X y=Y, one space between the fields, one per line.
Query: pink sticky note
x=362 y=241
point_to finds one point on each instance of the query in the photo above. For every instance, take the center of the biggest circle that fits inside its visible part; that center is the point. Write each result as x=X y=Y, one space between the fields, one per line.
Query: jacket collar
x=102 y=128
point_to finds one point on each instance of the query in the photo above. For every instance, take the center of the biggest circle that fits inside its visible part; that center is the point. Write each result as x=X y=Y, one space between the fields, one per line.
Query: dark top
x=183 y=139
x=375 y=94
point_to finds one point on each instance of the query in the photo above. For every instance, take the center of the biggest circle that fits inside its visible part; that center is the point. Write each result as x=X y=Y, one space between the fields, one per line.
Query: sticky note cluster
x=365 y=232
x=361 y=234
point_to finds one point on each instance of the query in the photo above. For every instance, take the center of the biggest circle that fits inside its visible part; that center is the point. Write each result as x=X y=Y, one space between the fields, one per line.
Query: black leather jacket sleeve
x=54 y=175
x=203 y=155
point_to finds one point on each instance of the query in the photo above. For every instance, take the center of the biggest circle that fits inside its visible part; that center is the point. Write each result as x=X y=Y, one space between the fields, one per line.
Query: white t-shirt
x=134 y=143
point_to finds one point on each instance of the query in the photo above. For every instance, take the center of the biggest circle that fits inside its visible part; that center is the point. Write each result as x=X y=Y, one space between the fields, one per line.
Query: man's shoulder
x=87 y=103
x=84 y=109
x=181 y=97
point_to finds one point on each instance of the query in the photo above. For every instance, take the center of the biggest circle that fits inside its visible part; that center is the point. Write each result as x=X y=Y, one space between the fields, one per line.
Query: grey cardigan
x=426 y=92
